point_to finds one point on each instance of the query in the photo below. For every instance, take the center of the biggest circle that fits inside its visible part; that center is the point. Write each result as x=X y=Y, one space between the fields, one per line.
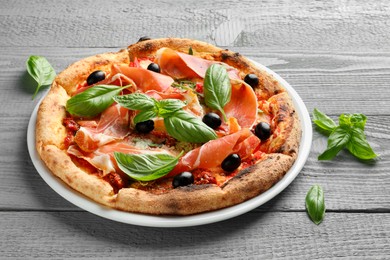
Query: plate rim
x=138 y=219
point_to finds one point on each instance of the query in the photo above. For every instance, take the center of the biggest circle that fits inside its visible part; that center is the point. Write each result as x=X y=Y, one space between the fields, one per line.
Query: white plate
x=179 y=221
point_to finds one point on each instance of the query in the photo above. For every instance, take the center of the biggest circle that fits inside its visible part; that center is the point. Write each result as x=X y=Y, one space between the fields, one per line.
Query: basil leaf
x=185 y=127
x=190 y=51
x=146 y=167
x=353 y=120
x=358 y=145
x=166 y=107
x=338 y=139
x=144 y=116
x=315 y=204
x=325 y=123
x=41 y=71
x=136 y=101
x=217 y=88
x=93 y=101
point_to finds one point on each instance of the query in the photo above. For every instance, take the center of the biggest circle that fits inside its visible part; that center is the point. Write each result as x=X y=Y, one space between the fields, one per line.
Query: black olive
x=231 y=162
x=144 y=38
x=145 y=126
x=154 y=67
x=263 y=130
x=252 y=80
x=183 y=179
x=212 y=120
x=95 y=77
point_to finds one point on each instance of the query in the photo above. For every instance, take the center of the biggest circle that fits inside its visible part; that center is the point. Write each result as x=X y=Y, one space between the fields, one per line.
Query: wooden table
x=336 y=54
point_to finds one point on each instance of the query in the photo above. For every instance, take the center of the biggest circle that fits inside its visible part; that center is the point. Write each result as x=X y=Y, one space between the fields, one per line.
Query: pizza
x=167 y=127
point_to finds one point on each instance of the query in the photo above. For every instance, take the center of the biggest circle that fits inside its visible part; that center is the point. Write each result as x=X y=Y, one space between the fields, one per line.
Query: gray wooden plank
x=348 y=183
x=297 y=25
x=333 y=82
x=59 y=235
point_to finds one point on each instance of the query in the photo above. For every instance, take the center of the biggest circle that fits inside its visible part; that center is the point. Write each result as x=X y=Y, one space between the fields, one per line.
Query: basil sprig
x=41 y=71
x=146 y=167
x=93 y=101
x=348 y=134
x=217 y=88
x=180 y=124
x=315 y=204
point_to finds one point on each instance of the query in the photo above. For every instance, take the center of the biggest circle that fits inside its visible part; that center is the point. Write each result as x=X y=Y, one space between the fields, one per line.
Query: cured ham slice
x=145 y=79
x=114 y=121
x=184 y=66
x=103 y=157
x=242 y=105
x=212 y=153
x=113 y=125
x=115 y=78
x=164 y=95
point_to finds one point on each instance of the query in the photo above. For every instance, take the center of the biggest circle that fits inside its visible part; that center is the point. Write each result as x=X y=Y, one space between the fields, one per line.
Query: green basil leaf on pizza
x=93 y=101
x=146 y=167
x=217 y=88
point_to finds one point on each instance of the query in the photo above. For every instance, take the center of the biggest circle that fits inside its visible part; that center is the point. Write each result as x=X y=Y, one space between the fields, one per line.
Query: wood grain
x=336 y=55
x=348 y=183
x=293 y=25
x=335 y=83
x=255 y=235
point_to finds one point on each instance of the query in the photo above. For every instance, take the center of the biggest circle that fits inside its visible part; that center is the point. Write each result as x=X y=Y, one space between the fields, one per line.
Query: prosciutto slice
x=112 y=125
x=212 y=153
x=242 y=105
x=145 y=79
x=184 y=66
x=103 y=157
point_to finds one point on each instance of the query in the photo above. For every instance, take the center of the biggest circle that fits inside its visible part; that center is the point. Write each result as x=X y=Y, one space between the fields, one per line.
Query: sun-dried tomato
x=203 y=177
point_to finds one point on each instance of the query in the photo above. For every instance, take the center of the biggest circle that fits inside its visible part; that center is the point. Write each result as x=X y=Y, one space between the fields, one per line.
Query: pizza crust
x=193 y=199
x=80 y=70
x=248 y=183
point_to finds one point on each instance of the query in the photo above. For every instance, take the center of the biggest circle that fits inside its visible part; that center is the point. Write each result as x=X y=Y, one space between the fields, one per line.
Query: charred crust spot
x=280 y=118
x=173 y=205
x=191 y=188
x=148 y=46
x=236 y=54
x=224 y=56
x=240 y=174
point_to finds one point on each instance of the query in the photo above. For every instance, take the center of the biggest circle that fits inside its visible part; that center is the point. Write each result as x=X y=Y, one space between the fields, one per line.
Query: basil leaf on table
x=185 y=127
x=41 y=71
x=338 y=139
x=217 y=88
x=146 y=167
x=358 y=145
x=354 y=120
x=136 y=101
x=324 y=122
x=93 y=101
x=348 y=134
x=315 y=204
